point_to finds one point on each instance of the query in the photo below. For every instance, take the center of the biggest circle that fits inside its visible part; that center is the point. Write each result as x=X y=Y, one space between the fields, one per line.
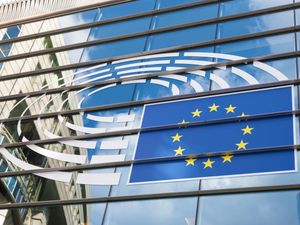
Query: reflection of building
x=29 y=188
x=254 y=42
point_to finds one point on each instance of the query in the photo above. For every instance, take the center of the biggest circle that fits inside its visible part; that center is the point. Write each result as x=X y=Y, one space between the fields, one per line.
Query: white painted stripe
x=160 y=82
x=175 y=90
x=57 y=176
x=74 y=143
x=146 y=57
x=90 y=68
x=176 y=77
x=271 y=70
x=88 y=130
x=201 y=73
x=117 y=144
x=170 y=68
x=81 y=90
x=57 y=155
x=141 y=81
x=197 y=72
x=214 y=55
x=197 y=87
x=135 y=74
x=118 y=128
x=220 y=81
x=159 y=62
x=193 y=62
x=100 y=118
x=146 y=69
x=125 y=118
x=98 y=178
x=96 y=78
x=80 y=102
x=91 y=74
x=107 y=158
x=101 y=88
x=243 y=74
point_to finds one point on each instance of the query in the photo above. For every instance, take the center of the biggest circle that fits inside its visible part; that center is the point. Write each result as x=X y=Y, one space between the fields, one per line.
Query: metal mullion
x=147 y=101
x=147 y=129
x=166 y=195
x=148 y=32
x=152 y=75
x=60 y=13
x=144 y=161
x=164 y=50
x=156 y=12
x=113 y=20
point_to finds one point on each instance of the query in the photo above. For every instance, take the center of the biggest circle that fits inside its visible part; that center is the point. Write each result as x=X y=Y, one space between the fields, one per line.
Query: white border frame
x=221 y=176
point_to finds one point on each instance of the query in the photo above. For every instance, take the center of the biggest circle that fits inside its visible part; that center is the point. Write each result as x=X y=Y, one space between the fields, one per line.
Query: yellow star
x=208 y=163
x=179 y=151
x=230 y=109
x=176 y=137
x=242 y=145
x=227 y=158
x=243 y=115
x=247 y=130
x=190 y=161
x=213 y=107
x=196 y=113
x=183 y=122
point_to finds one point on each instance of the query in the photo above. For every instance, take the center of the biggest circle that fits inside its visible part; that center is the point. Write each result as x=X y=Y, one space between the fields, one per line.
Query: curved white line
x=214 y=55
x=197 y=87
x=193 y=62
x=57 y=155
x=52 y=154
x=101 y=88
x=90 y=68
x=98 y=178
x=140 y=81
x=196 y=72
x=117 y=144
x=175 y=90
x=80 y=102
x=161 y=62
x=133 y=75
x=125 y=118
x=147 y=57
x=220 y=81
x=271 y=70
x=110 y=119
x=107 y=158
x=57 y=176
x=160 y=82
x=74 y=143
x=176 y=77
x=104 y=119
x=243 y=74
x=96 y=78
x=88 y=130
x=145 y=69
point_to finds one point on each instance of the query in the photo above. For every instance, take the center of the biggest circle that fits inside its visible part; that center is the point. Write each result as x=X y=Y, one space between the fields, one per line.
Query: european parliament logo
x=264 y=132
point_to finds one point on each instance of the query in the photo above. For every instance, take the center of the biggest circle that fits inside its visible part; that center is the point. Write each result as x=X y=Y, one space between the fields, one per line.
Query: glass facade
x=86 y=87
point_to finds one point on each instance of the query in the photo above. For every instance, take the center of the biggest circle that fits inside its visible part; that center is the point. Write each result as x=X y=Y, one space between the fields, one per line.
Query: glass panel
x=239 y=6
x=256 y=24
x=255 y=208
x=195 y=14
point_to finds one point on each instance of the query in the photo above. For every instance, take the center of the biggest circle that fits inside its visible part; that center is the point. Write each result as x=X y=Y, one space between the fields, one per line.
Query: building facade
x=74 y=82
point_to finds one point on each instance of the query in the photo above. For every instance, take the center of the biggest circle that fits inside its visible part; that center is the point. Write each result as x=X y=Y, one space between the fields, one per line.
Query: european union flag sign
x=239 y=135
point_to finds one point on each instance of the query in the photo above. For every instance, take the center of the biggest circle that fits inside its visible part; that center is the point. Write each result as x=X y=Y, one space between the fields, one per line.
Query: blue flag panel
x=218 y=137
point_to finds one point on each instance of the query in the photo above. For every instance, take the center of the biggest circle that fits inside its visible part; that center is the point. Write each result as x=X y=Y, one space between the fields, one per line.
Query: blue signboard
x=239 y=135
